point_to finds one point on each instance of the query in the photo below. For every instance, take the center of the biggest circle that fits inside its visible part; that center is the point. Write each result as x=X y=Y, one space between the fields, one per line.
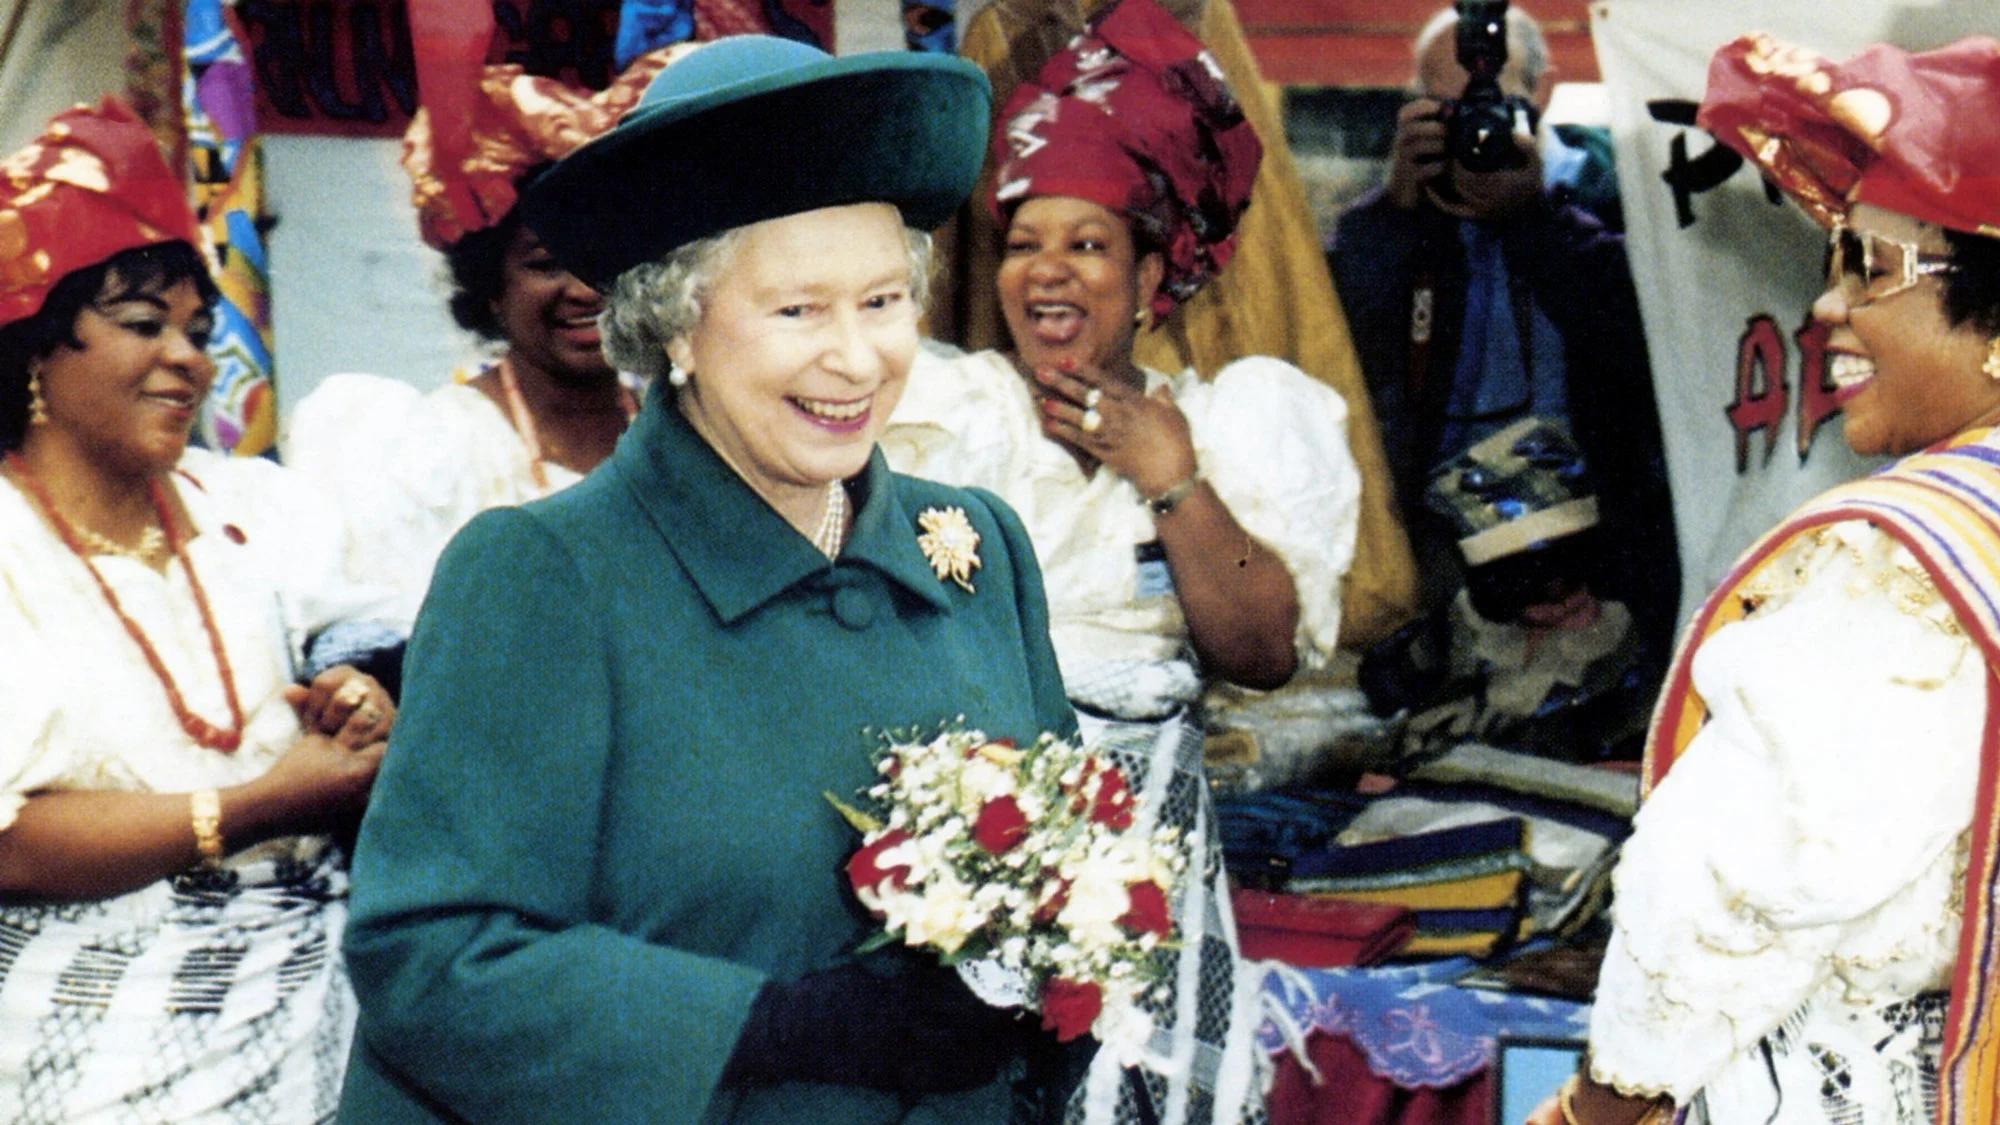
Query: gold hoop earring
x=38 y=407
x=1992 y=364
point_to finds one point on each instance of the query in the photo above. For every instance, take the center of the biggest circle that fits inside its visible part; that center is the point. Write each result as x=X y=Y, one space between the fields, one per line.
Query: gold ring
x=353 y=693
x=1092 y=421
x=1092 y=397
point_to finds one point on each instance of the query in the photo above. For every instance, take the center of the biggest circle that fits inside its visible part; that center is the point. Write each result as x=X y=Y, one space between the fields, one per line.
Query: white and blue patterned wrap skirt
x=216 y=996
x=1205 y=1068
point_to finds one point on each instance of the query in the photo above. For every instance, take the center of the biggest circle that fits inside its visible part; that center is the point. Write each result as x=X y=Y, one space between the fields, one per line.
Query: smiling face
x=124 y=398
x=1071 y=282
x=804 y=343
x=1904 y=376
x=548 y=317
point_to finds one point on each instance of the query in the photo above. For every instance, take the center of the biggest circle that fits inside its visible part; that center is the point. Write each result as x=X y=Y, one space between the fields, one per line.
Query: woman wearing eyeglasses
x=1806 y=909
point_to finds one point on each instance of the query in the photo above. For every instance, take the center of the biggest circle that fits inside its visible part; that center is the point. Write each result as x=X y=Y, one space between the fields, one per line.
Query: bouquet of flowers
x=1021 y=865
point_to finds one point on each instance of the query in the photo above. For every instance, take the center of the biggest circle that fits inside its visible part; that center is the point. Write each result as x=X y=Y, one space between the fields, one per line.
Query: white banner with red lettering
x=1726 y=270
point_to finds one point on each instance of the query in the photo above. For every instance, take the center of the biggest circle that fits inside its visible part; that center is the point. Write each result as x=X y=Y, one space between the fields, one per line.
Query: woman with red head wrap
x=171 y=904
x=1805 y=927
x=1189 y=530
x=412 y=468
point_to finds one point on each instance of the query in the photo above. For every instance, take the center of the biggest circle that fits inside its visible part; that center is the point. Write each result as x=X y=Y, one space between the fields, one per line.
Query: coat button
x=853 y=608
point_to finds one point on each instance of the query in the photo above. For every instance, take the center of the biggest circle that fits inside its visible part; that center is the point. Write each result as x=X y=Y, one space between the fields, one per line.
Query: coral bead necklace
x=197 y=728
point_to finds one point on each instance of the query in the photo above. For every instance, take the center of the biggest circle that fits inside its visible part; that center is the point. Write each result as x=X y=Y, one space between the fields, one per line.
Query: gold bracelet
x=1565 y=1094
x=1658 y=1111
x=1178 y=491
x=205 y=814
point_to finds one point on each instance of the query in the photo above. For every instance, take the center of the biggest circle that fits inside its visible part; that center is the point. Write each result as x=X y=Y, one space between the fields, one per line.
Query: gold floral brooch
x=949 y=544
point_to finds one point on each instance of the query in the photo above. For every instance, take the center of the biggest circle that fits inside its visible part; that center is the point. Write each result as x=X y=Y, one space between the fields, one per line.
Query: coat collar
x=739 y=552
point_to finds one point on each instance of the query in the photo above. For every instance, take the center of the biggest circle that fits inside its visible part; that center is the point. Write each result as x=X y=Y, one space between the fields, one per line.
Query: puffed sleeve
x=963 y=420
x=1273 y=444
x=484 y=979
x=405 y=472
x=1806 y=831
x=28 y=703
x=320 y=569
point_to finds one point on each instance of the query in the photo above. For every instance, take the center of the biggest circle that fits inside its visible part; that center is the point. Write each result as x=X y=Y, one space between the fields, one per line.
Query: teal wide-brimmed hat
x=754 y=127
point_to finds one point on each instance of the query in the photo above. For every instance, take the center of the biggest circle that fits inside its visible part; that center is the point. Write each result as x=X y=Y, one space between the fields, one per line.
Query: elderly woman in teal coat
x=599 y=880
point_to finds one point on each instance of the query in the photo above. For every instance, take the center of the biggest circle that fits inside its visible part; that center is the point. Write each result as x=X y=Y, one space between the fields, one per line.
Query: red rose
x=1113 y=807
x=1069 y=1008
x=1001 y=825
x=1149 y=909
x=864 y=870
x=1055 y=896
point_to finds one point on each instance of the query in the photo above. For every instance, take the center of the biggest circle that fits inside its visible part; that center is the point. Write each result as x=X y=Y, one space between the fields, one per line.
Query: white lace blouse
x=409 y=469
x=1794 y=880
x=1271 y=441
x=80 y=709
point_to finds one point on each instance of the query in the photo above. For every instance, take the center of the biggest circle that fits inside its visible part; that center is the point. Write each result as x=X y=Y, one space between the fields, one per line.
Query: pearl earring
x=677 y=377
x=1992 y=364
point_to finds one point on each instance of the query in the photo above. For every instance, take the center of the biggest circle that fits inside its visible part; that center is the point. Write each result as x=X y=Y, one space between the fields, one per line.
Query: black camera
x=1480 y=125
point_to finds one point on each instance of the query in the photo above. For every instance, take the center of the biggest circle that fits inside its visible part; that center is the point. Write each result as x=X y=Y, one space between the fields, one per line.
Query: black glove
x=909 y=1028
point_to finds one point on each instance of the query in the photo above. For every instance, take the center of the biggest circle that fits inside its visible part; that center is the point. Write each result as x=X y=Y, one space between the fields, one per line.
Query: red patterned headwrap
x=1917 y=133
x=518 y=121
x=92 y=185
x=1134 y=116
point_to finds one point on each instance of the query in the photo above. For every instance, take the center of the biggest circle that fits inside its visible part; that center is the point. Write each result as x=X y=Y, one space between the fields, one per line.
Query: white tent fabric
x=53 y=54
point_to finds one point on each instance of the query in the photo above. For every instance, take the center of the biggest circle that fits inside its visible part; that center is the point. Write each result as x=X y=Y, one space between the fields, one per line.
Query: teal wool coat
x=600 y=826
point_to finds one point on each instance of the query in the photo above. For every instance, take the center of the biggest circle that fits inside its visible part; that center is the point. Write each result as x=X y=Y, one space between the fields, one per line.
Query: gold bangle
x=1565 y=1094
x=1658 y=1111
x=205 y=814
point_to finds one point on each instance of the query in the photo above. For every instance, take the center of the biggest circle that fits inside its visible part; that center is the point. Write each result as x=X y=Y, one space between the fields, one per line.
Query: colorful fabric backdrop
x=226 y=176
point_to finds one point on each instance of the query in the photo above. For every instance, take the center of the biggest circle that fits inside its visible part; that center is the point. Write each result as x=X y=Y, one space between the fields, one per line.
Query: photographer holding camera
x=1478 y=295
x=1466 y=142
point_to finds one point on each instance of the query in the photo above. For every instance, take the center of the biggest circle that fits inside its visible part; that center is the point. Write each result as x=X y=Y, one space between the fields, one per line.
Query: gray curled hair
x=653 y=303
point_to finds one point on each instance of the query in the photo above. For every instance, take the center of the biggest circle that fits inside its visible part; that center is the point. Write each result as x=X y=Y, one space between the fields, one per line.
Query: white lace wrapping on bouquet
x=996 y=984
x=1200 y=1063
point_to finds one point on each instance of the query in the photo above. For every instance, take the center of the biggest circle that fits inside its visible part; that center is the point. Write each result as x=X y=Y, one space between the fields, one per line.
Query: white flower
x=943 y=916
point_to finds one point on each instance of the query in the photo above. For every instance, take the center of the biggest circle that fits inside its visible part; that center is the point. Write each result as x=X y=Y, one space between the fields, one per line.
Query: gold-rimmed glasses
x=1865 y=267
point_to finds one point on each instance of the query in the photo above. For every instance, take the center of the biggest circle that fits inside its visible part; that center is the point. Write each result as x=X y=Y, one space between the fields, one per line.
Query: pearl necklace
x=831 y=533
x=201 y=730
x=832 y=522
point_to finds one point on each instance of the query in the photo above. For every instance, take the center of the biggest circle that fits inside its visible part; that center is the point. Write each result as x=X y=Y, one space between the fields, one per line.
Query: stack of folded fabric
x=1262 y=833
x=1315 y=932
x=1465 y=886
x=1577 y=816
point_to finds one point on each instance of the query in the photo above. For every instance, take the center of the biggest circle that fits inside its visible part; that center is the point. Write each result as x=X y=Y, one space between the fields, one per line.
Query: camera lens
x=1480 y=125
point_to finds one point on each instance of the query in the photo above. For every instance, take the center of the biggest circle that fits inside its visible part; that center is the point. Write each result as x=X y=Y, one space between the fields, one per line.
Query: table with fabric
x=1397 y=1044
